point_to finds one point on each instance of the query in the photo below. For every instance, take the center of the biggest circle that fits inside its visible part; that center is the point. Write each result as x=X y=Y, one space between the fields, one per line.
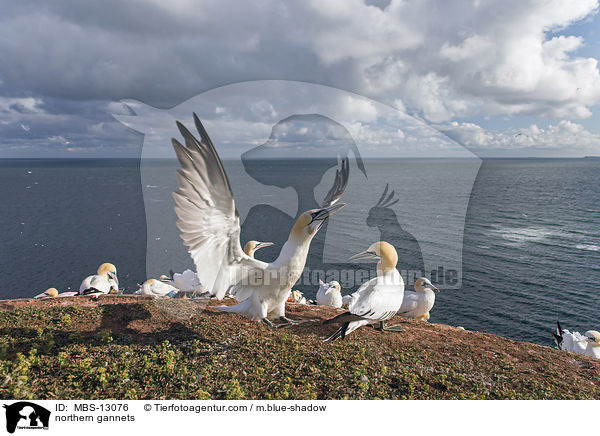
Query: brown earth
x=139 y=347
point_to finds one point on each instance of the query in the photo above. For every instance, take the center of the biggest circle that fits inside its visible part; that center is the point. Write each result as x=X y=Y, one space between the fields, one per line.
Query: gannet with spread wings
x=210 y=228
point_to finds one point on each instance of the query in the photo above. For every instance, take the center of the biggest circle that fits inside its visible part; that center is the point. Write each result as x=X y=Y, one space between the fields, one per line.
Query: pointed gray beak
x=365 y=255
x=263 y=245
x=327 y=211
x=432 y=287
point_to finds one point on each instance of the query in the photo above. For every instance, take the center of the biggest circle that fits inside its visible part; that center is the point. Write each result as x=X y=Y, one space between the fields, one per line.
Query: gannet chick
x=48 y=293
x=329 y=294
x=377 y=300
x=593 y=345
x=417 y=304
x=157 y=288
x=252 y=246
x=210 y=228
x=103 y=282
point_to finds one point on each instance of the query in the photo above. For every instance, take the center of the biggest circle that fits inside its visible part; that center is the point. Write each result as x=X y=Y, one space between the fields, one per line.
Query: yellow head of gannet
x=309 y=222
x=108 y=270
x=48 y=293
x=164 y=278
x=52 y=292
x=593 y=336
x=252 y=246
x=382 y=251
x=423 y=283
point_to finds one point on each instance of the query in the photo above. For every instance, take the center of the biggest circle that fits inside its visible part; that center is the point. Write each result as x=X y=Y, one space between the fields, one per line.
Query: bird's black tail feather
x=342 y=318
x=558 y=337
x=339 y=333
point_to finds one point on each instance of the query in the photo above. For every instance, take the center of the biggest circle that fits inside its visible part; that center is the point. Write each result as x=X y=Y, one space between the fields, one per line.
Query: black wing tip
x=335 y=318
x=557 y=340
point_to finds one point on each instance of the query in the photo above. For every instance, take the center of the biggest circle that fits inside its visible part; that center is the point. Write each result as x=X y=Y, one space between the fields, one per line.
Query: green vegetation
x=137 y=350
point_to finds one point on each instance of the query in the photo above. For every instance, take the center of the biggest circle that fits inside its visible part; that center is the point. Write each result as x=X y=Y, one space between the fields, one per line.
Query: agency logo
x=26 y=415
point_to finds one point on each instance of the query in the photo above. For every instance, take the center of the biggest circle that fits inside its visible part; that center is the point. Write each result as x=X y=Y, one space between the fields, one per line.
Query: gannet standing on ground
x=210 y=228
x=329 y=294
x=252 y=246
x=103 y=282
x=417 y=304
x=377 y=300
x=157 y=288
x=575 y=342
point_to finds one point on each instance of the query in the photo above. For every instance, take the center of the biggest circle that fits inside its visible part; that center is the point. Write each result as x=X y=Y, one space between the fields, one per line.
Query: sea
x=515 y=243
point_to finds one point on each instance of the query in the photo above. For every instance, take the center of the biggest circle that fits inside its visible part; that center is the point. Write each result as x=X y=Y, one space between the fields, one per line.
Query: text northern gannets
x=210 y=228
x=417 y=304
x=103 y=282
x=329 y=294
x=377 y=300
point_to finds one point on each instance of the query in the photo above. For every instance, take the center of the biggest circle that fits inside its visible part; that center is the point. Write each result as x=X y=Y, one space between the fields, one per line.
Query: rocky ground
x=133 y=347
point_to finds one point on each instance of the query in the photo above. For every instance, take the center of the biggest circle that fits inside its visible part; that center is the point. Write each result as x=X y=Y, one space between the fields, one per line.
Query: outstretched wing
x=207 y=218
x=339 y=184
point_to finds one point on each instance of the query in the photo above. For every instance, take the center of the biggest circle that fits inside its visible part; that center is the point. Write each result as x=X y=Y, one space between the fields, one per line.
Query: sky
x=503 y=78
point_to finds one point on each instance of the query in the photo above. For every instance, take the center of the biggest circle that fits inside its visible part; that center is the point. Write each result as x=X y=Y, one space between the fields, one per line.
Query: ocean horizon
x=530 y=248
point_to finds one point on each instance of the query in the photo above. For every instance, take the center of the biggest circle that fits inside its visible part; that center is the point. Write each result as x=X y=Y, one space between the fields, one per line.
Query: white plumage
x=188 y=282
x=210 y=228
x=377 y=300
x=157 y=288
x=329 y=294
x=418 y=303
x=587 y=344
x=102 y=282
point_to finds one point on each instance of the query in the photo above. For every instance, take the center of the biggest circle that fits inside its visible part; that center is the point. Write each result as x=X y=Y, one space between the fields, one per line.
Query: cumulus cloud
x=562 y=138
x=443 y=59
x=439 y=60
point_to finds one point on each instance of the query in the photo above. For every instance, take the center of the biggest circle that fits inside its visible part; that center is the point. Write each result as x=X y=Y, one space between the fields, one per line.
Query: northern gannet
x=593 y=346
x=48 y=293
x=53 y=293
x=103 y=282
x=329 y=294
x=187 y=282
x=587 y=344
x=252 y=246
x=377 y=300
x=157 y=288
x=210 y=228
x=417 y=304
